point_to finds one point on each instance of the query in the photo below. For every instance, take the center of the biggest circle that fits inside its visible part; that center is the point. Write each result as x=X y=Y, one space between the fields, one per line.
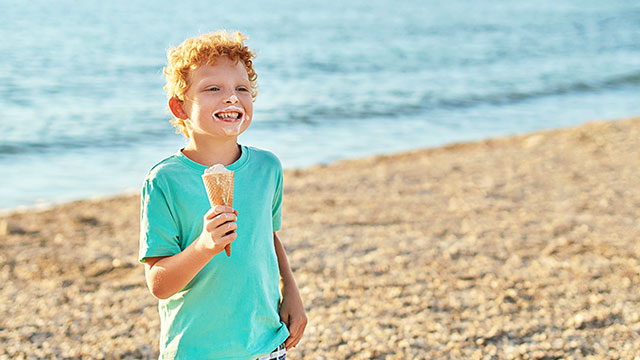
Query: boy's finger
x=210 y=214
x=229 y=227
x=297 y=330
x=296 y=334
x=220 y=220
x=224 y=218
x=287 y=343
x=294 y=340
x=213 y=212
x=223 y=208
x=229 y=237
x=290 y=342
x=218 y=209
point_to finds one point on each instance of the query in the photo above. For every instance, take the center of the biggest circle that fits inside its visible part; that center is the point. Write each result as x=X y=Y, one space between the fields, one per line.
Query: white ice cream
x=233 y=130
x=216 y=169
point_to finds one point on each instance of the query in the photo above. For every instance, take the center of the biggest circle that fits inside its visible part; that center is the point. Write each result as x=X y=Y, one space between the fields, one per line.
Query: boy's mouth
x=228 y=115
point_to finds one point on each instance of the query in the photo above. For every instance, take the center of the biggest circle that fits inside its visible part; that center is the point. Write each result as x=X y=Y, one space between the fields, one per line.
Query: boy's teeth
x=229 y=115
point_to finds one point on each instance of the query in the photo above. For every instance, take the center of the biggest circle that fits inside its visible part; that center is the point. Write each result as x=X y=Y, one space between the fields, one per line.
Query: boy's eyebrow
x=206 y=83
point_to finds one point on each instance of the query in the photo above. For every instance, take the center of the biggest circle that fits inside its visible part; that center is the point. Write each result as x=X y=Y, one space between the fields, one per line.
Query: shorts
x=278 y=354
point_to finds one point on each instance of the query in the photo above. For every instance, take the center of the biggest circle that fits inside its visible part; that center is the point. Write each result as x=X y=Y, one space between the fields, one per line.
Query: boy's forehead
x=219 y=66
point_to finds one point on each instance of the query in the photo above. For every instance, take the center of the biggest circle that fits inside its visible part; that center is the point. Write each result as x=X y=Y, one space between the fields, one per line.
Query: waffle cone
x=219 y=187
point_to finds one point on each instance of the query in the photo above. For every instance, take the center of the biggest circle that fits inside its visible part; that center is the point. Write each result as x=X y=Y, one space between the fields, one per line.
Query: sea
x=83 y=111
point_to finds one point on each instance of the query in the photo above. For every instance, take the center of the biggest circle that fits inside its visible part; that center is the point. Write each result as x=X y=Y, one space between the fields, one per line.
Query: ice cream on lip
x=233 y=117
x=229 y=114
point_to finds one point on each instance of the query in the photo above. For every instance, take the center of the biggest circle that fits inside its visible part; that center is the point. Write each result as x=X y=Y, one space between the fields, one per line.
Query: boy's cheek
x=244 y=126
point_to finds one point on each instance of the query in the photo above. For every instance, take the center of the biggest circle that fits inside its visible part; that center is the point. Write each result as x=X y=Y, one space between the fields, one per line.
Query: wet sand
x=523 y=247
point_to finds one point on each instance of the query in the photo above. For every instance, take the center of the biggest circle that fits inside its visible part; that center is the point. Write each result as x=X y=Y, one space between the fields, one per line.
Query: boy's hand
x=219 y=228
x=293 y=315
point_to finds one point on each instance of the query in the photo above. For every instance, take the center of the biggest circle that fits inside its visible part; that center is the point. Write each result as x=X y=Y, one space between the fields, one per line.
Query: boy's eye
x=213 y=88
x=242 y=88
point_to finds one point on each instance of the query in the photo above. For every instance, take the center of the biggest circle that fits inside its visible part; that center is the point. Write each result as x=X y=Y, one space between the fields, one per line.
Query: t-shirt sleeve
x=276 y=211
x=158 y=230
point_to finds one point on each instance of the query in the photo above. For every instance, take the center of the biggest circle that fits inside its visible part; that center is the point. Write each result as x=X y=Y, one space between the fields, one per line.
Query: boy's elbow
x=160 y=295
x=156 y=289
x=158 y=292
x=154 y=281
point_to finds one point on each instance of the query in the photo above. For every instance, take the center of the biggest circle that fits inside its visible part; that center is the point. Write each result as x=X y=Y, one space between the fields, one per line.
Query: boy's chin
x=235 y=129
x=231 y=132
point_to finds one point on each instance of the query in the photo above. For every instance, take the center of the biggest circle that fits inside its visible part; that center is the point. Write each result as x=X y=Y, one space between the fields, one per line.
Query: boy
x=213 y=306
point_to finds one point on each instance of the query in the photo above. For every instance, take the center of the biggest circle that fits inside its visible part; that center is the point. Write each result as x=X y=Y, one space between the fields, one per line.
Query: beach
x=521 y=247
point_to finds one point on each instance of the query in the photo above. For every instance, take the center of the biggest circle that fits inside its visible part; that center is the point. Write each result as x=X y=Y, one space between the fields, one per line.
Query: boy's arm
x=291 y=308
x=170 y=274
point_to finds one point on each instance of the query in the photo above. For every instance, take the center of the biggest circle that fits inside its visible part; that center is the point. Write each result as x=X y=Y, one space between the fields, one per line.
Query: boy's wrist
x=288 y=283
x=203 y=245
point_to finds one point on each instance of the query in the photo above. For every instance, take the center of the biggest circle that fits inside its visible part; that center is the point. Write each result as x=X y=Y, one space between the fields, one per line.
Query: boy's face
x=218 y=102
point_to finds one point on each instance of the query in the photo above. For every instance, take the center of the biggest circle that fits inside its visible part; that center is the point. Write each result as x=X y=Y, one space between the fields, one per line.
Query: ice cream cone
x=219 y=188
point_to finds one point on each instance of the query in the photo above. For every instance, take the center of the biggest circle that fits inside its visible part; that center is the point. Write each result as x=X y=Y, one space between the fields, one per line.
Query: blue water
x=82 y=110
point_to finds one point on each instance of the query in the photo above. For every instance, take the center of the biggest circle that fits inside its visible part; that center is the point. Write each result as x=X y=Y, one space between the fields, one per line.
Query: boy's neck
x=225 y=153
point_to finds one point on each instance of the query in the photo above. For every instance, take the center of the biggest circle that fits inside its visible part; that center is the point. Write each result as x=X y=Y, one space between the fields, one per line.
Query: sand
x=523 y=247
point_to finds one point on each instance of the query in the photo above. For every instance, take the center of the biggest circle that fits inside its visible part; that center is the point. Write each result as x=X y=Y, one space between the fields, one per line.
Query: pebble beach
x=522 y=247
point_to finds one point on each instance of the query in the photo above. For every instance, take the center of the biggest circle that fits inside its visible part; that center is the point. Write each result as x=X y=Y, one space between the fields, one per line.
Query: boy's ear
x=177 y=109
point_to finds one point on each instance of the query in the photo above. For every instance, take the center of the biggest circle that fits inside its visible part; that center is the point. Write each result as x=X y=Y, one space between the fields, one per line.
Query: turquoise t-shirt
x=230 y=308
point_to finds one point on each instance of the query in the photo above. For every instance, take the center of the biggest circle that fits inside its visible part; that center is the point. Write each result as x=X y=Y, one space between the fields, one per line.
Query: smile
x=229 y=115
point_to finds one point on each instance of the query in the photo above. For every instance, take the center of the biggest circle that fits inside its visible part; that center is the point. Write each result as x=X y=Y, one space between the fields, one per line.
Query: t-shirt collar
x=235 y=166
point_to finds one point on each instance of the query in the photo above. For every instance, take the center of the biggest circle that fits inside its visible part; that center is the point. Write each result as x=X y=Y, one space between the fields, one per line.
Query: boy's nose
x=232 y=99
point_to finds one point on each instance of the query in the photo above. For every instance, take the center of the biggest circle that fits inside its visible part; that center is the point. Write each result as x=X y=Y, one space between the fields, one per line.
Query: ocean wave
x=9 y=148
x=318 y=114
x=315 y=114
x=505 y=98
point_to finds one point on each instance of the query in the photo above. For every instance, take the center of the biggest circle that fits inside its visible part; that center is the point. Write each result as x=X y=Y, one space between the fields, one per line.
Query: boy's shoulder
x=263 y=156
x=166 y=167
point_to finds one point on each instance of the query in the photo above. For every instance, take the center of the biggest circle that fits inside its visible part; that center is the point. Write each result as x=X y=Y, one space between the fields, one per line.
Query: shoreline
x=49 y=205
x=46 y=206
x=522 y=246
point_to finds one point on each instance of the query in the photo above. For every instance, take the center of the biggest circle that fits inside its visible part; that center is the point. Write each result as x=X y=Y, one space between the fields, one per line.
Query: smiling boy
x=212 y=306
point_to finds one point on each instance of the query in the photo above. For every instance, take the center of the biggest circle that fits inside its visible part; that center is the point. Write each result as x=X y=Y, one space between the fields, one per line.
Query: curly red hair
x=194 y=52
